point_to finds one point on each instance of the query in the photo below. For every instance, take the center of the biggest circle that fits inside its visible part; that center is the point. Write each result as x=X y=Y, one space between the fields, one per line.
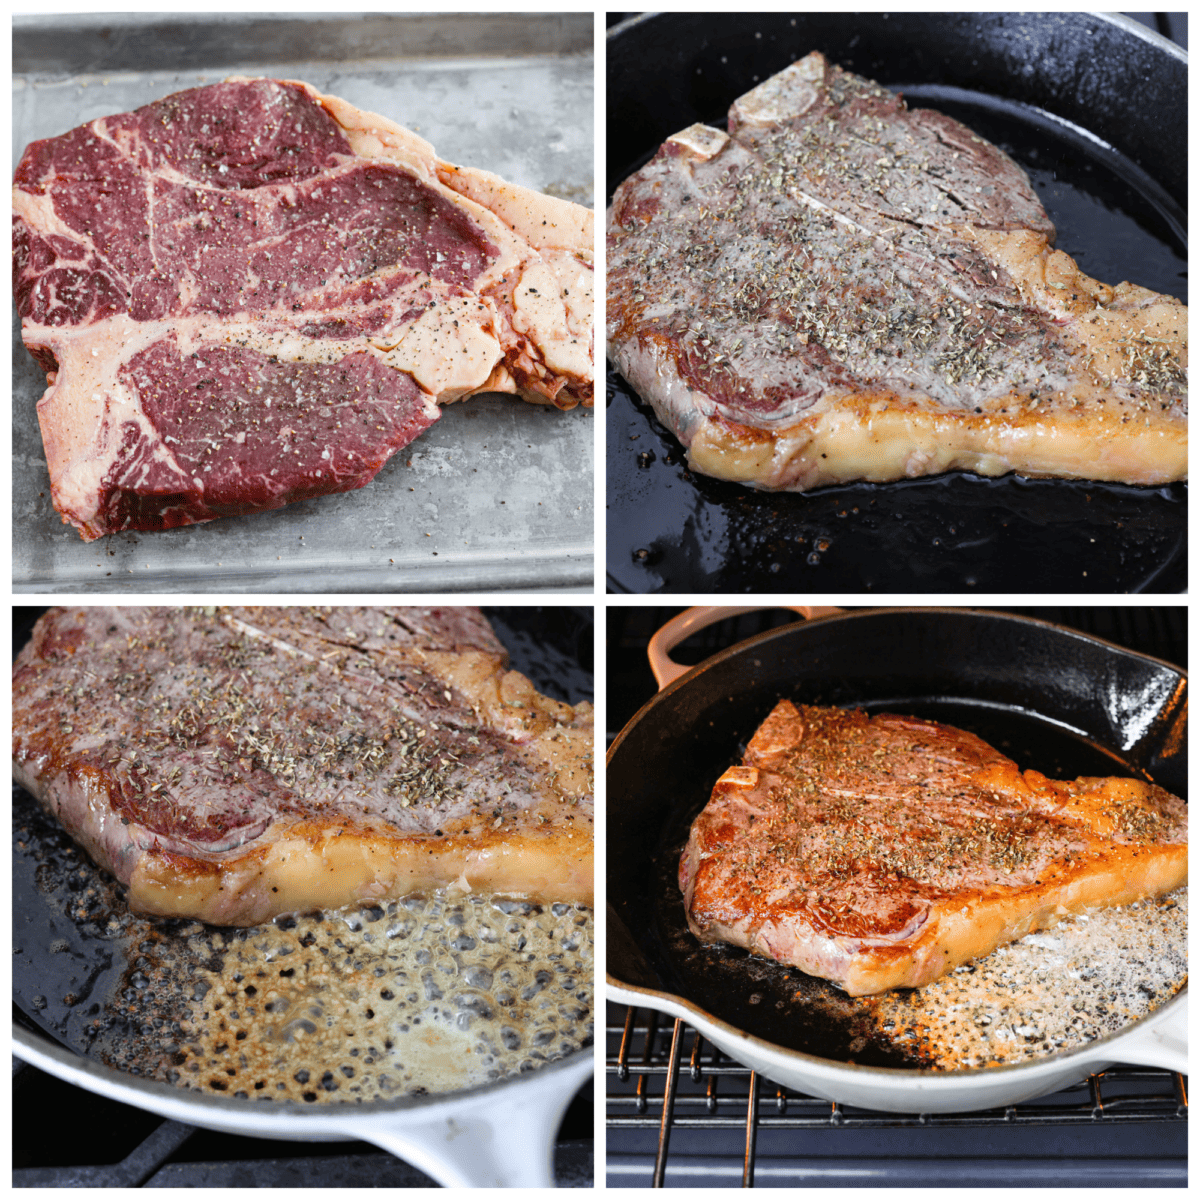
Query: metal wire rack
x=703 y=1089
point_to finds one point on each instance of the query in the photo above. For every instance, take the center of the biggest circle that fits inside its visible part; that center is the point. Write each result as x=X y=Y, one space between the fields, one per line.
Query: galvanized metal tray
x=498 y=494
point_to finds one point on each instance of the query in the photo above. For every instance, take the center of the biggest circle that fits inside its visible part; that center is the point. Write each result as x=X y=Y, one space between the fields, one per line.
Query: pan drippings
x=427 y=994
x=1052 y=991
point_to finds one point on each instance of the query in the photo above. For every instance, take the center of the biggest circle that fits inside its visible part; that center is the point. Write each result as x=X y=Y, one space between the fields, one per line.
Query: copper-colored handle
x=679 y=629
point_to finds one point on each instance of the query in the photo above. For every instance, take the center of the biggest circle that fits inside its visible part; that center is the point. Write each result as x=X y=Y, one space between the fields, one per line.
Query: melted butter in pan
x=1082 y=979
x=1063 y=988
x=425 y=995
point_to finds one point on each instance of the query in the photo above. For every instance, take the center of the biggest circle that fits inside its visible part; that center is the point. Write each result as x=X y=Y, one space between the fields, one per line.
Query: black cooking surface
x=1158 y=631
x=64 y=974
x=672 y=531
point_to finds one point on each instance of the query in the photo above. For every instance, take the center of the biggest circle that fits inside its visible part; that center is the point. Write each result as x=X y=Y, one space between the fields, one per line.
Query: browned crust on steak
x=231 y=764
x=322 y=866
x=883 y=852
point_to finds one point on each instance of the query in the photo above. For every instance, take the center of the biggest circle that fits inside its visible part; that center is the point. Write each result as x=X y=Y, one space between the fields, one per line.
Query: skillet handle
x=505 y=1140
x=1162 y=1044
x=679 y=629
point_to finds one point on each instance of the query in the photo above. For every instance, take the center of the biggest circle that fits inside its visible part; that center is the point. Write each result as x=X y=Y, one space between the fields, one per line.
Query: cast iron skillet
x=1094 y=109
x=1053 y=699
x=500 y=1134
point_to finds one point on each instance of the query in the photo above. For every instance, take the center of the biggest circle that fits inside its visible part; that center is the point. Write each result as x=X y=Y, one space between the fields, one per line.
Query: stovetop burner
x=682 y=1113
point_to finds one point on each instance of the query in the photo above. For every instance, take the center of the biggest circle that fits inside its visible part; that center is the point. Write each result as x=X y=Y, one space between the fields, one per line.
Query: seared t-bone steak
x=884 y=851
x=250 y=294
x=840 y=289
x=231 y=764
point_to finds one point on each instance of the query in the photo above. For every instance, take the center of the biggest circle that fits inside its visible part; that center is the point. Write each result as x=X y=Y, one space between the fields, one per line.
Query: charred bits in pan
x=1060 y=989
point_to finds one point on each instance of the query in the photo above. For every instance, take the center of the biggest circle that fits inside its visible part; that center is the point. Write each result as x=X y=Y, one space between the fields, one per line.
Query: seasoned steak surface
x=235 y=763
x=884 y=851
x=839 y=288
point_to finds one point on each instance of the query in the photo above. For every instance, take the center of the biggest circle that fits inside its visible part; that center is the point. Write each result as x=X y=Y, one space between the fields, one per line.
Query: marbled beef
x=250 y=294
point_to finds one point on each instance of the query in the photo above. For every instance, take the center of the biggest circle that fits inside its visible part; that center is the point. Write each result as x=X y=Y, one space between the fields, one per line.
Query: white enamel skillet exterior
x=498 y=1135
x=1158 y=1040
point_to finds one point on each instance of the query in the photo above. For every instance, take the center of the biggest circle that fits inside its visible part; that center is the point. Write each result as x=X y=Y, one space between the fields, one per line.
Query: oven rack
x=664 y=1075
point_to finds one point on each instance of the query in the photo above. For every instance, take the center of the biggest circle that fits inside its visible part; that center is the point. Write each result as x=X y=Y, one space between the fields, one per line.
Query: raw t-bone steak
x=884 y=851
x=250 y=294
x=231 y=764
x=839 y=289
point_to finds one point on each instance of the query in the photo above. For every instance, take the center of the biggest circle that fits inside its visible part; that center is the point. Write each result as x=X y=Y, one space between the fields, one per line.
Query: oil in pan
x=671 y=531
x=427 y=994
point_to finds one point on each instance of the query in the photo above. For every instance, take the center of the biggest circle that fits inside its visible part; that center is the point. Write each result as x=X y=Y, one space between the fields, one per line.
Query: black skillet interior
x=1110 y=167
x=69 y=968
x=1051 y=699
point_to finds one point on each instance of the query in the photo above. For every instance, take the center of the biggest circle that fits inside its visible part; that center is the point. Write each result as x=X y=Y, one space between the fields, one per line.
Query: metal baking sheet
x=498 y=494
